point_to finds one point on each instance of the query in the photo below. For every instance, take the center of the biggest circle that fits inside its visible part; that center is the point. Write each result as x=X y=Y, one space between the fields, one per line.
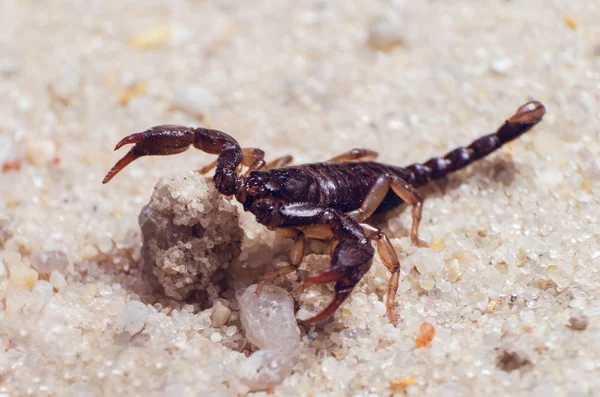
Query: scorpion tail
x=522 y=121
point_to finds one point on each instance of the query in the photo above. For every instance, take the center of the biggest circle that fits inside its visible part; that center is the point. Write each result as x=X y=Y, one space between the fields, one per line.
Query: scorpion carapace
x=330 y=200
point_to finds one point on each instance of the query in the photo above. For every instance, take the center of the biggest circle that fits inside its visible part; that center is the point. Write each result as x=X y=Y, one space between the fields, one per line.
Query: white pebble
x=219 y=315
x=132 y=318
x=550 y=178
x=268 y=318
x=443 y=285
x=379 y=308
x=384 y=34
x=501 y=66
x=40 y=151
x=578 y=303
x=216 y=337
x=15 y=300
x=195 y=100
x=58 y=281
x=104 y=244
x=42 y=293
x=266 y=368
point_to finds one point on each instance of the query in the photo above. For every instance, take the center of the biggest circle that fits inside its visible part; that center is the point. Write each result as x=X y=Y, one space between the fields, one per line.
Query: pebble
x=268 y=318
x=40 y=151
x=58 y=281
x=265 y=368
x=150 y=38
x=132 y=318
x=219 y=315
x=15 y=300
x=23 y=277
x=42 y=293
x=195 y=100
x=501 y=66
x=384 y=34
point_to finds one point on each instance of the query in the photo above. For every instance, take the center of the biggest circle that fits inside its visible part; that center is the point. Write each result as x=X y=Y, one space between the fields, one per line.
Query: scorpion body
x=330 y=200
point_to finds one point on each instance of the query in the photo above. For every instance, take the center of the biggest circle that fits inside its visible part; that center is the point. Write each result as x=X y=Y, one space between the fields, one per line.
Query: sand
x=510 y=284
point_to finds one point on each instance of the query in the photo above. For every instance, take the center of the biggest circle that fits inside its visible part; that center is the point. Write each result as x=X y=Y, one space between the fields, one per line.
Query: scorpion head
x=256 y=186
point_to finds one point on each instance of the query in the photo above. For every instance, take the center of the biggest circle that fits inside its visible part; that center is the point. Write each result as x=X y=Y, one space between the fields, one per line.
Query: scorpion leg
x=278 y=162
x=354 y=155
x=351 y=258
x=251 y=158
x=296 y=256
x=404 y=190
x=389 y=258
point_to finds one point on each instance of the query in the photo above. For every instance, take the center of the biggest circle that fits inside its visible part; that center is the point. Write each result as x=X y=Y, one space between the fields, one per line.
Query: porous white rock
x=268 y=318
x=132 y=318
x=191 y=235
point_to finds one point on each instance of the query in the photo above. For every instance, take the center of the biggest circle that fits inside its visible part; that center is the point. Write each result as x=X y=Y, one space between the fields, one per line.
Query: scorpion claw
x=161 y=140
x=133 y=138
x=128 y=158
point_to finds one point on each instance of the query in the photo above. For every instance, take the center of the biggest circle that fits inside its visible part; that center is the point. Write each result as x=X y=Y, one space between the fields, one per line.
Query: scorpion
x=330 y=201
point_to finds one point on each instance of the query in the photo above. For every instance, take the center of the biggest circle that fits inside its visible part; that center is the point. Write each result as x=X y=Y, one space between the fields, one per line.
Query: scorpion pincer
x=332 y=200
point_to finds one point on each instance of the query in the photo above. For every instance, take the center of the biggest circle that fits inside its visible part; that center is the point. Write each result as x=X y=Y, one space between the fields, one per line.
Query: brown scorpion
x=328 y=201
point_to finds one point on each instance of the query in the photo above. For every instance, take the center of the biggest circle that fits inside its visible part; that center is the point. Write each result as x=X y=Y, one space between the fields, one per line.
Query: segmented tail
x=523 y=120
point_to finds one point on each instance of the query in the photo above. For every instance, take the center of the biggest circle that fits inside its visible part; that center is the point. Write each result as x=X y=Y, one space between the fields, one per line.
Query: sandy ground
x=511 y=283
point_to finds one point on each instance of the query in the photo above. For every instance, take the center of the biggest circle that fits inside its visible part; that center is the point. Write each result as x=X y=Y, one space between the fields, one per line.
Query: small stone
x=501 y=66
x=58 y=281
x=265 y=368
x=132 y=318
x=491 y=306
x=578 y=303
x=104 y=244
x=15 y=300
x=443 y=285
x=216 y=337
x=558 y=276
x=42 y=293
x=426 y=283
x=268 y=318
x=384 y=34
x=151 y=37
x=379 y=308
x=132 y=91
x=23 y=277
x=2 y=270
x=509 y=361
x=219 y=315
x=437 y=244
x=40 y=151
x=48 y=261
x=90 y=290
x=426 y=334
x=571 y=23
x=578 y=323
x=195 y=100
